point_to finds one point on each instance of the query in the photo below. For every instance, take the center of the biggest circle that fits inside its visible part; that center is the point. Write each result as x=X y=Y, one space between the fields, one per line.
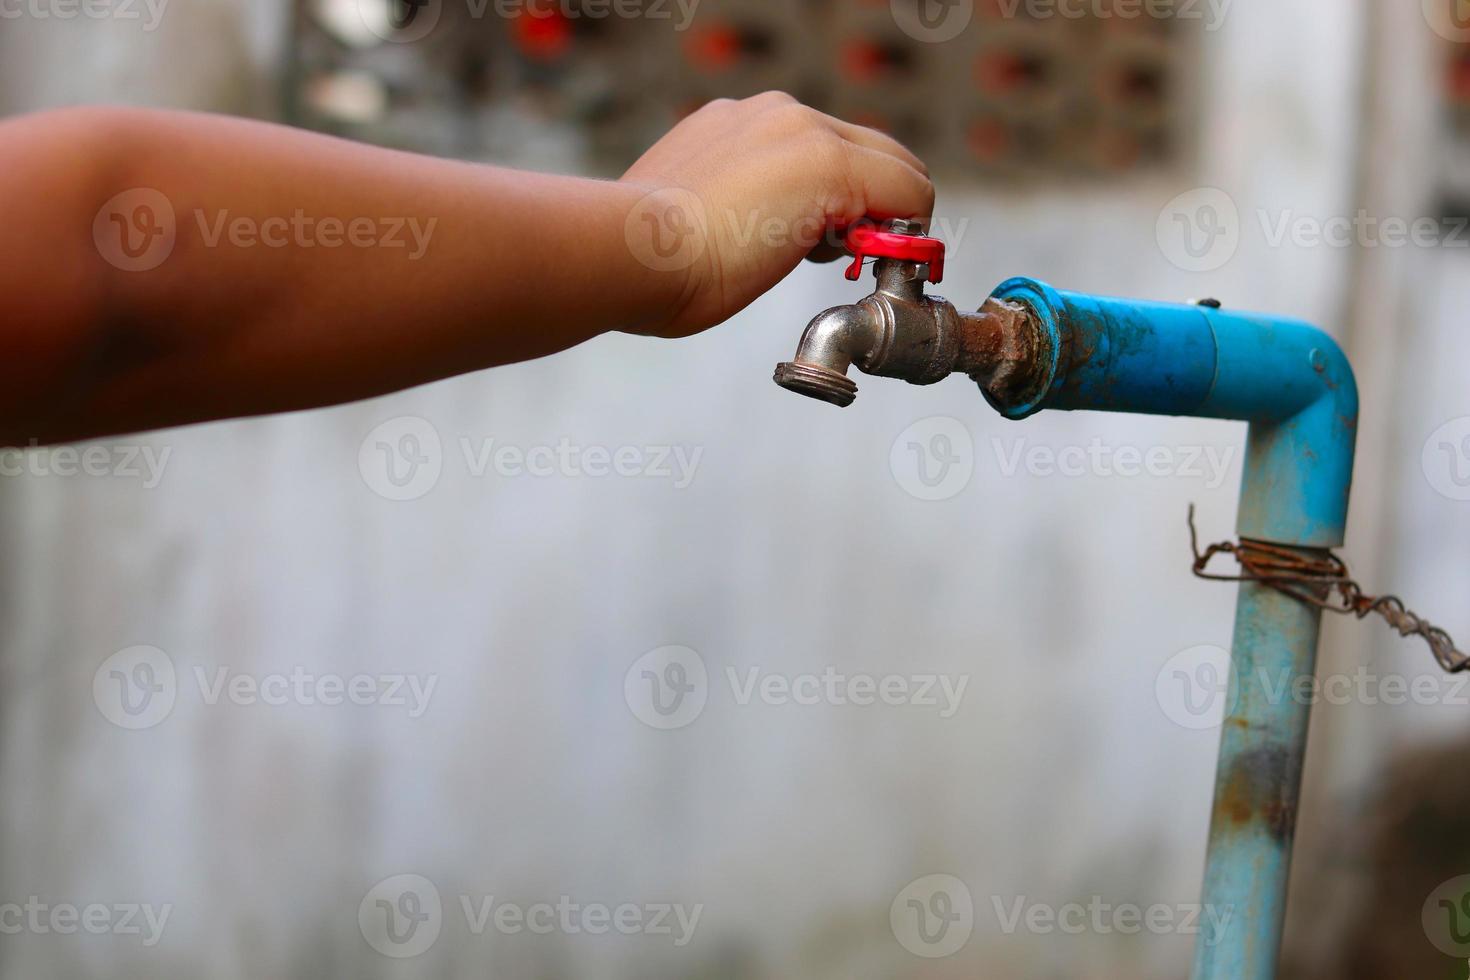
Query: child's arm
x=306 y=270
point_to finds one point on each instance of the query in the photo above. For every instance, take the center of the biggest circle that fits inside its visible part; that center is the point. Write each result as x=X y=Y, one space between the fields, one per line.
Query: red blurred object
x=863 y=61
x=1460 y=78
x=1002 y=73
x=544 y=35
x=989 y=139
x=865 y=241
x=714 y=49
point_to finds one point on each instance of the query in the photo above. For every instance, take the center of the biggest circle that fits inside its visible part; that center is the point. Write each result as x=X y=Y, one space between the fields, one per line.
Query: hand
x=740 y=192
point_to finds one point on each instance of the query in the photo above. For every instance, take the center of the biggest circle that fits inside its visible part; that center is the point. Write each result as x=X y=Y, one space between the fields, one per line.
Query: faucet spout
x=829 y=345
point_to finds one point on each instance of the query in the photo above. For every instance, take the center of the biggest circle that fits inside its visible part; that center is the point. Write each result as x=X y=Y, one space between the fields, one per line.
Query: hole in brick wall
x=867 y=61
x=1141 y=83
x=1010 y=72
x=724 y=46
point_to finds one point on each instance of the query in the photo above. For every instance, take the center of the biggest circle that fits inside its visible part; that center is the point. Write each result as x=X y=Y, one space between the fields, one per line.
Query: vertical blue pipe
x=1293 y=385
x=1257 y=785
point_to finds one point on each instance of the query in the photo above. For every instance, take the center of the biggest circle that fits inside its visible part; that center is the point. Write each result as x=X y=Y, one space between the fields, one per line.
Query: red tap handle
x=864 y=241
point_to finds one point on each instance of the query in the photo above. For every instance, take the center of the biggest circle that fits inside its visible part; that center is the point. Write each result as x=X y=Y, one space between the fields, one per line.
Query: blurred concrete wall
x=801 y=545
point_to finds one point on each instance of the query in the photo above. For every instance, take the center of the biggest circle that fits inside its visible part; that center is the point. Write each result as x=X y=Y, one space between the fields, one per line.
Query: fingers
x=874 y=140
x=828 y=252
x=888 y=186
x=803 y=116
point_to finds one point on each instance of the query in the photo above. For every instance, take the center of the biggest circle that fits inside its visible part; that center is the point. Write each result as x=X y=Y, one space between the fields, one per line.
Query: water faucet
x=900 y=332
x=1032 y=347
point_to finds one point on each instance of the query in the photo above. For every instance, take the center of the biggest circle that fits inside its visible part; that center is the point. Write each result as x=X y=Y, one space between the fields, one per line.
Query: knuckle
x=795 y=117
x=828 y=151
x=774 y=98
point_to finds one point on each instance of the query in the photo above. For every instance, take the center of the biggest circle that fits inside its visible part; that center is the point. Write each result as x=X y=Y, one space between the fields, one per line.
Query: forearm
x=163 y=268
x=308 y=271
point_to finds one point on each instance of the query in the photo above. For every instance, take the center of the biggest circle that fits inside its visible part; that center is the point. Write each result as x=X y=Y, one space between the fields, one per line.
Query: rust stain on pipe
x=1260 y=790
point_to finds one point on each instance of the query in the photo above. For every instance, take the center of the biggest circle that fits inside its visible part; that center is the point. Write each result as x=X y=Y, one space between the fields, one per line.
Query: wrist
x=665 y=233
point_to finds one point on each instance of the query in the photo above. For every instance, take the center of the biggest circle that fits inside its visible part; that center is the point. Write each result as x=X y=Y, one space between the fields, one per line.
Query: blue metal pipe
x=1295 y=387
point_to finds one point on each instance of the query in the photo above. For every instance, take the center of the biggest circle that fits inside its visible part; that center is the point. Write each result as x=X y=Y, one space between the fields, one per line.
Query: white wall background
x=794 y=549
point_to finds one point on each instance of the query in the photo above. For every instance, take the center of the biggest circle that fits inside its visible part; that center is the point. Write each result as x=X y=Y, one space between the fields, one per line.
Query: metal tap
x=899 y=332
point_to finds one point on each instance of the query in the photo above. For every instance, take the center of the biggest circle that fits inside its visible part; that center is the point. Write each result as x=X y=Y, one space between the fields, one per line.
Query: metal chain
x=1314 y=579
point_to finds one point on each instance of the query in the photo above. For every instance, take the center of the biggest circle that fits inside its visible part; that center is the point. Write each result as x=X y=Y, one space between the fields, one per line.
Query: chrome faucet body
x=900 y=332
